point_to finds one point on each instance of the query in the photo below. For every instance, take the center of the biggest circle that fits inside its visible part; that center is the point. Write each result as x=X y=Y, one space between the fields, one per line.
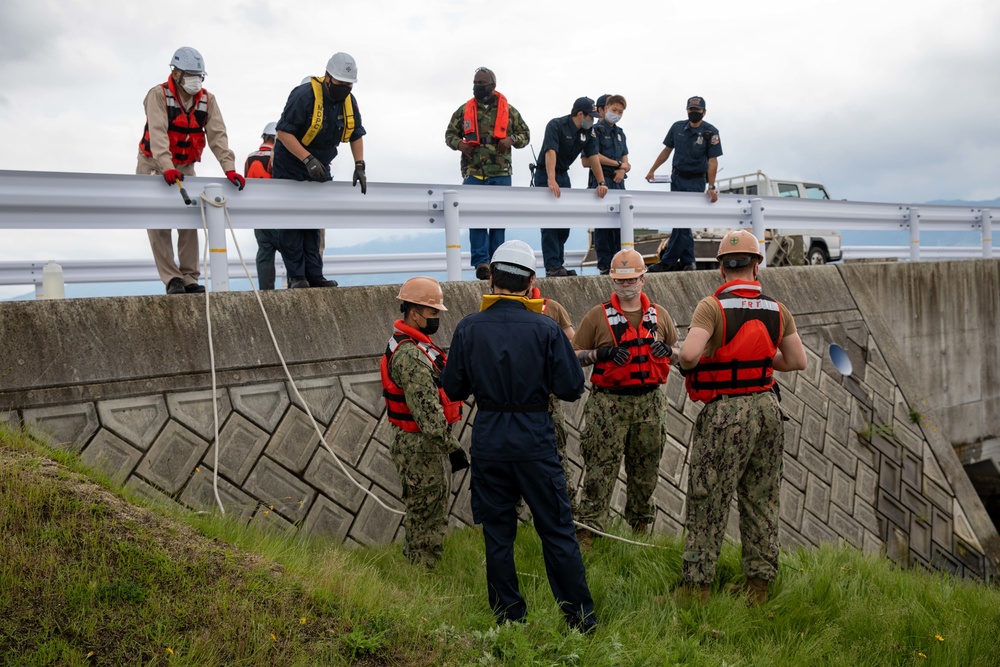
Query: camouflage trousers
x=556 y=410
x=737 y=446
x=425 y=474
x=617 y=425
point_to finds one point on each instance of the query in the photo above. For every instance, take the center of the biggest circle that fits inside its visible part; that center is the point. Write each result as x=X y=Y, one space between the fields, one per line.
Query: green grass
x=89 y=576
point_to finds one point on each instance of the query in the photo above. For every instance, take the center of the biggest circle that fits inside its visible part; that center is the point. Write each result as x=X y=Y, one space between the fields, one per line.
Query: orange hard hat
x=739 y=242
x=423 y=291
x=627 y=263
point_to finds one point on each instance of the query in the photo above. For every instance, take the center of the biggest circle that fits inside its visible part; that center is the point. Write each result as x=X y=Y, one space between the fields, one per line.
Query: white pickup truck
x=820 y=247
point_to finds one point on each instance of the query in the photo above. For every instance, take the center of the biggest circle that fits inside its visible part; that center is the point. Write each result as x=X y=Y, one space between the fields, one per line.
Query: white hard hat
x=341 y=66
x=516 y=253
x=187 y=59
x=271 y=129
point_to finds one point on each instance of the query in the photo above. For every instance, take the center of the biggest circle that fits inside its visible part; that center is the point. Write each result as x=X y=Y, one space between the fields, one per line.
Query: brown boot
x=689 y=593
x=754 y=589
x=585 y=538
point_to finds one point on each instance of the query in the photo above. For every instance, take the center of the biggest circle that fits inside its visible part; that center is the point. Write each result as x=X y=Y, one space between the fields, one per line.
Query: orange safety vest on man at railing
x=471 y=125
x=185 y=129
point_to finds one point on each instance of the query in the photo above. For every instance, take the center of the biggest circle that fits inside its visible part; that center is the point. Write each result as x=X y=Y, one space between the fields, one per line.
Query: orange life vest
x=751 y=332
x=258 y=164
x=537 y=294
x=471 y=126
x=643 y=368
x=185 y=129
x=395 y=399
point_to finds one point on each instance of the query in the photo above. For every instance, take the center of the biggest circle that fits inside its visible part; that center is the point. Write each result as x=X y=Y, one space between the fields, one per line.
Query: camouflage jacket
x=486 y=162
x=411 y=370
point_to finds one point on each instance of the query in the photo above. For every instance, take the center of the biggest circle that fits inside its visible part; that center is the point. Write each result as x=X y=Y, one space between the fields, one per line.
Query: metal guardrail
x=49 y=200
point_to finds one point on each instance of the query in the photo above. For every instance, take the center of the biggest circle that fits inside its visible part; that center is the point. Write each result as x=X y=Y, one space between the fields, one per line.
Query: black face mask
x=338 y=92
x=695 y=116
x=431 y=326
x=482 y=93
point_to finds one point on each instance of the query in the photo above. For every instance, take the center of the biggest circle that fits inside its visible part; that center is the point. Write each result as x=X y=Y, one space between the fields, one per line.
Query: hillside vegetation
x=90 y=576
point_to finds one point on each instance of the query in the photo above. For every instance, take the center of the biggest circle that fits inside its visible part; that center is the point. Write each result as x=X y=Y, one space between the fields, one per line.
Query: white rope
x=211 y=349
x=281 y=357
x=616 y=537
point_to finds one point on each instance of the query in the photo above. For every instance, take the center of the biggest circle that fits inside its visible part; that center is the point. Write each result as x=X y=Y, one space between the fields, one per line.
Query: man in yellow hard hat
x=423 y=448
x=629 y=340
x=737 y=338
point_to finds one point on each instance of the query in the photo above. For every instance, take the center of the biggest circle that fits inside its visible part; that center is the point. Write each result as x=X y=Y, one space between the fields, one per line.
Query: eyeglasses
x=194 y=75
x=625 y=281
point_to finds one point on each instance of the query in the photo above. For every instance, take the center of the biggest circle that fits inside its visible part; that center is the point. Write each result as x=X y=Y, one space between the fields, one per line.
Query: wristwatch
x=711 y=186
x=602 y=183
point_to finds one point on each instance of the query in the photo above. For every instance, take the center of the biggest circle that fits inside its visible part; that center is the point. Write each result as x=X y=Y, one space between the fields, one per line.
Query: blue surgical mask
x=587 y=123
x=612 y=117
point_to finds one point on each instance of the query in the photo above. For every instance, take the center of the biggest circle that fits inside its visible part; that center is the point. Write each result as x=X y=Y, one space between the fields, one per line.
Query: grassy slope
x=88 y=577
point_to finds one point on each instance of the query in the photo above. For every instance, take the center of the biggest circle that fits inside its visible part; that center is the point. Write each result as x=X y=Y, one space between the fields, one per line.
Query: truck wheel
x=816 y=255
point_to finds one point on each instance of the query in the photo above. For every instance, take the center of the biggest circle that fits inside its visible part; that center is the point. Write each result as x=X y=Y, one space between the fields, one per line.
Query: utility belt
x=690 y=174
x=496 y=407
x=731 y=397
x=627 y=391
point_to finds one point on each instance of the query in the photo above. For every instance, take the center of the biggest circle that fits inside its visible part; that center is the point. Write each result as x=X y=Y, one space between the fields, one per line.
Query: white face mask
x=587 y=123
x=612 y=117
x=191 y=84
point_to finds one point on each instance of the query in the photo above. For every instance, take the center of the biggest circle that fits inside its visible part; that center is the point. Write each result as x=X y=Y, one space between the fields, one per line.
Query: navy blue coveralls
x=511 y=359
x=692 y=147
x=611 y=143
x=300 y=247
x=563 y=137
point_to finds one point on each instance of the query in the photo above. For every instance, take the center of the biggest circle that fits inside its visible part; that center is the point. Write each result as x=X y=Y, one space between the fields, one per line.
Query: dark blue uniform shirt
x=609 y=141
x=507 y=356
x=563 y=137
x=296 y=120
x=693 y=146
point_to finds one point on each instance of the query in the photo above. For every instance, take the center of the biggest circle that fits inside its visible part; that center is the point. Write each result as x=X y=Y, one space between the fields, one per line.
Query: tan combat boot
x=754 y=589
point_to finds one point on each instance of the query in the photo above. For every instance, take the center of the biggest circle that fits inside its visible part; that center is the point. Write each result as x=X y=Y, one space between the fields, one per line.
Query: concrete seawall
x=868 y=460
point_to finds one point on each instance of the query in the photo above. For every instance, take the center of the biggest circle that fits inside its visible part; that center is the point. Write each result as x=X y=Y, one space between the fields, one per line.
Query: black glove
x=660 y=349
x=459 y=461
x=315 y=167
x=619 y=355
x=359 y=176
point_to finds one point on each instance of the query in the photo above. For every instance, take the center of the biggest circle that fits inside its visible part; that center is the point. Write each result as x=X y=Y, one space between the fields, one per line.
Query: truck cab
x=819 y=247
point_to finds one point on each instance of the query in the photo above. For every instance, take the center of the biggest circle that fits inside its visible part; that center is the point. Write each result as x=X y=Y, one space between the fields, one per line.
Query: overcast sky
x=879 y=100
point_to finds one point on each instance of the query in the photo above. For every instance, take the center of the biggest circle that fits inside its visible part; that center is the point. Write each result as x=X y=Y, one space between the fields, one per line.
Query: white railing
x=41 y=200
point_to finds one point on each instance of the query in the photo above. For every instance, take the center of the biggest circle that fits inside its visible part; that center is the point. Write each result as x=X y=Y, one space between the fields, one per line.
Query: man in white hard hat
x=318 y=116
x=423 y=448
x=181 y=119
x=258 y=165
x=738 y=337
x=629 y=340
x=511 y=358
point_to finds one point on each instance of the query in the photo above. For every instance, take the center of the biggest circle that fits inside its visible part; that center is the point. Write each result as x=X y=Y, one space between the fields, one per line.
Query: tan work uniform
x=217 y=140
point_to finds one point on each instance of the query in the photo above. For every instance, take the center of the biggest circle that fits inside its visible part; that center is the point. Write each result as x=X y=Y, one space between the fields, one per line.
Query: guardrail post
x=757 y=221
x=625 y=209
x=452 y=236
x=987 y=233
x=913 y=219
x=215 y=218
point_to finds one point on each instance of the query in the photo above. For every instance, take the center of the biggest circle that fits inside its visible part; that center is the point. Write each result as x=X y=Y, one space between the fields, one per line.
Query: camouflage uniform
x=486 y=162
x=737 y=446
x=616 y=425
x=421 y=458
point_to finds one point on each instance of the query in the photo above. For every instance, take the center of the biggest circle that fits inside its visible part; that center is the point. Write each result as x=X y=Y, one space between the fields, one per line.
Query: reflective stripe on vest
x=470 y=127
x=185 y=129
x=752 y=330
x=398 y=412
x=258 y=164
x=643 y=368
x=316 y=124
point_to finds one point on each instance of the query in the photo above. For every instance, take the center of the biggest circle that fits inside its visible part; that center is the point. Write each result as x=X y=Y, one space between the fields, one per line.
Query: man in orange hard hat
x=629 y=340
x=423 y=448
x=737 y=338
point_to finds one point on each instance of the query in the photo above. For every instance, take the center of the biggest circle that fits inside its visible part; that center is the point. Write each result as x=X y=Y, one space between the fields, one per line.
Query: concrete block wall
x=127 y=386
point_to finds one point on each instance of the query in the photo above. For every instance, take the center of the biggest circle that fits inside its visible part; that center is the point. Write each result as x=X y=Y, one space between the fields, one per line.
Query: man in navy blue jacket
x=511 y=357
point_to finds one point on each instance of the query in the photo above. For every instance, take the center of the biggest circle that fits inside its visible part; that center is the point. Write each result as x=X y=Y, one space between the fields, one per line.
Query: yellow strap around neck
x=534 y=305
x=317 y=120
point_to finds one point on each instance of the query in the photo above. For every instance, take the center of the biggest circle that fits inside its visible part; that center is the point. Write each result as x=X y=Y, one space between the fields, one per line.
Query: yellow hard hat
x=739 y=242
x=627 y=263
x=423 y=291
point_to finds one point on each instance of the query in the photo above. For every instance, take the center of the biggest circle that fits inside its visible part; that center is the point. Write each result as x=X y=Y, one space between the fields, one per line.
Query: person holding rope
x=629 y=340
x=423 y=448
x=737 y=339
x=512 y=359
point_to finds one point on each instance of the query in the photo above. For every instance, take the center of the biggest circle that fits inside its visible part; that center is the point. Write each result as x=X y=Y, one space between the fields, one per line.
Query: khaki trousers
x=160 y=239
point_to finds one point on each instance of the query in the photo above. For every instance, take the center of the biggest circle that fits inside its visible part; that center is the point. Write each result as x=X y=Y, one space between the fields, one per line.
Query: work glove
x=171 y=176
x=459 y=461
x=359 y=176
x=236 y=179
x=660 y=349
x=619 y=355
x=315 y=168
